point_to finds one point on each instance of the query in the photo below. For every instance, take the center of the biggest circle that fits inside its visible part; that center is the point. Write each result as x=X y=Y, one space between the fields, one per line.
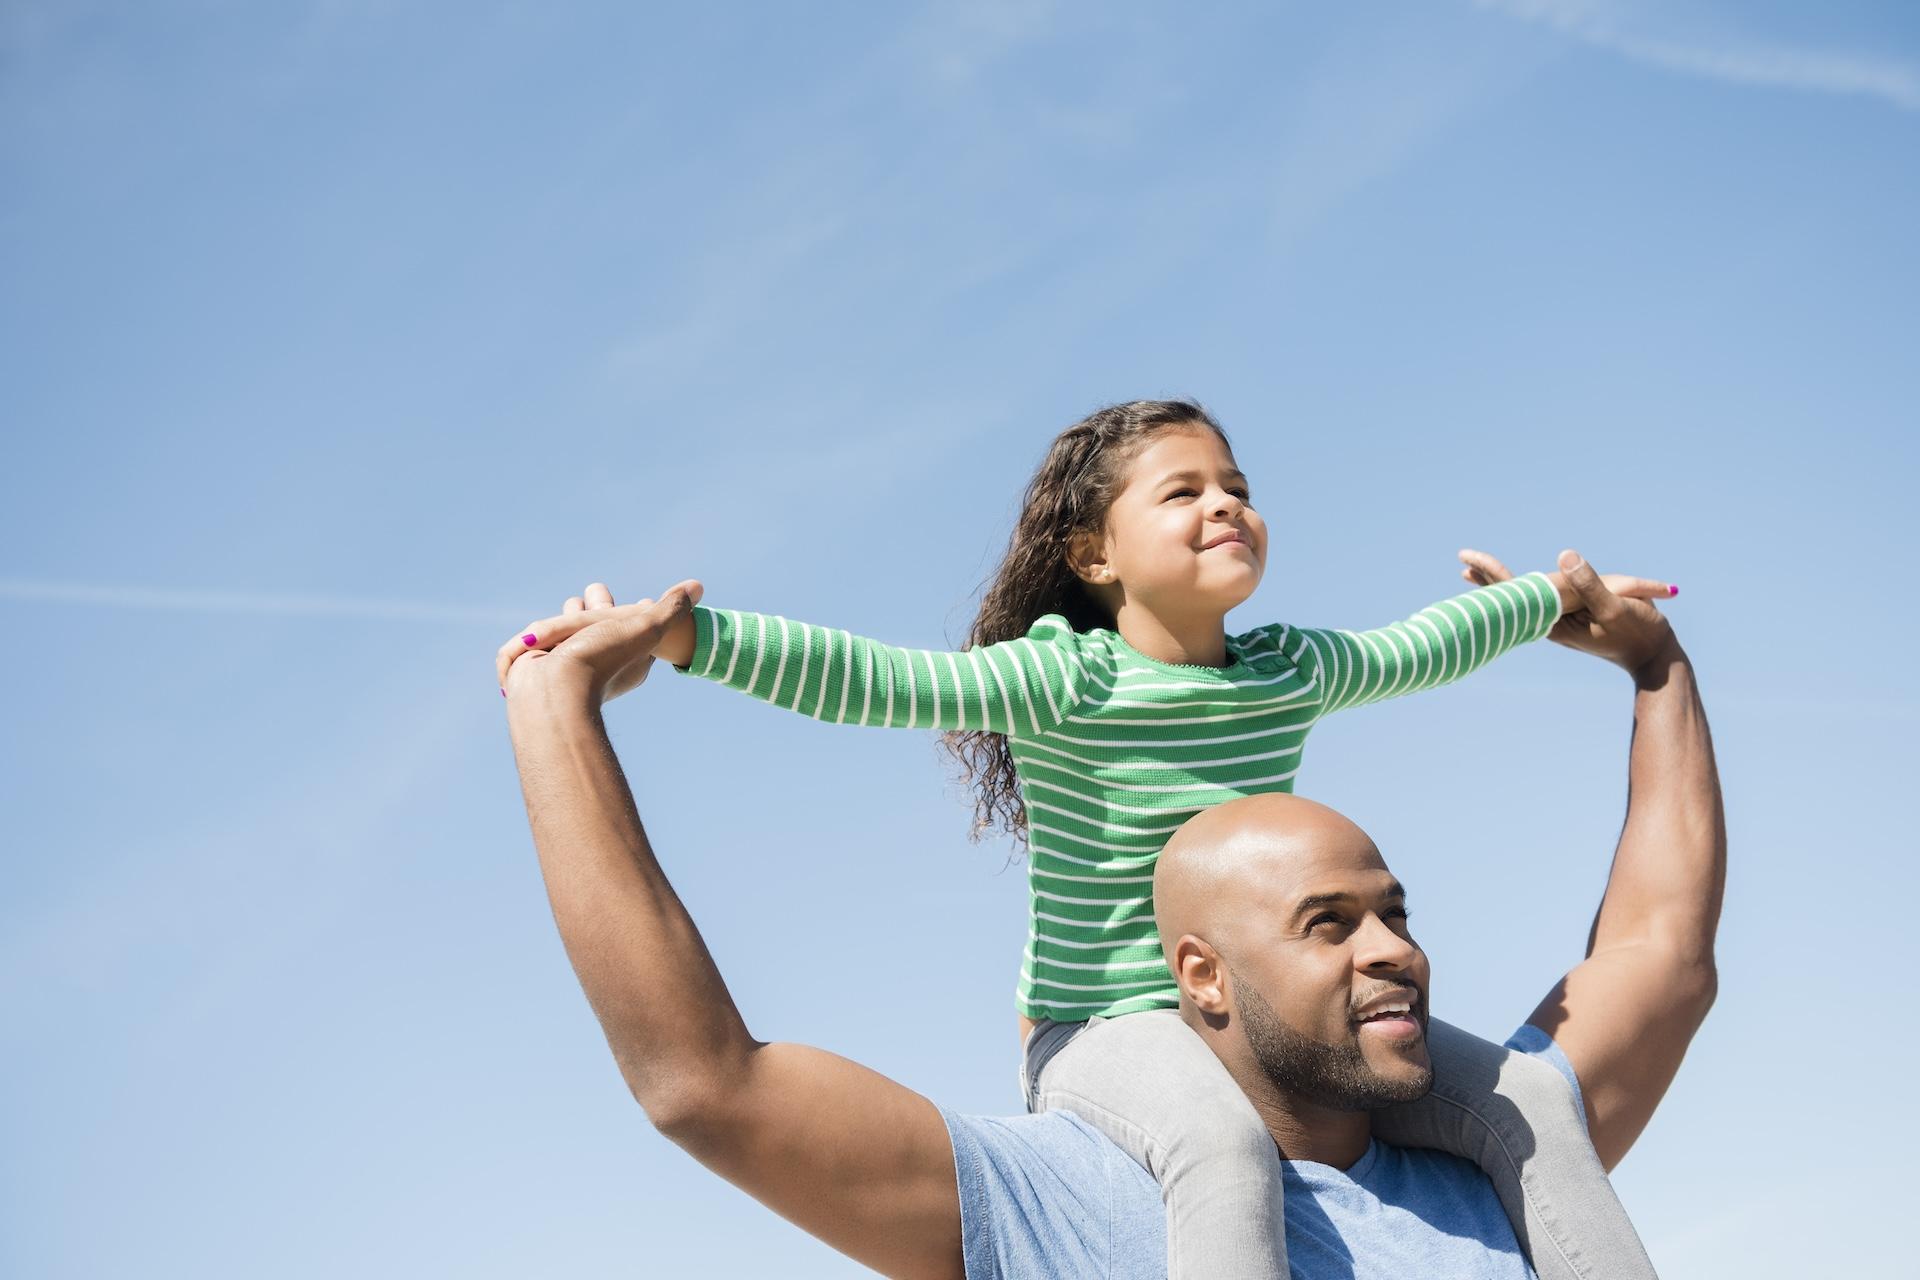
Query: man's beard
x=1336 y=1076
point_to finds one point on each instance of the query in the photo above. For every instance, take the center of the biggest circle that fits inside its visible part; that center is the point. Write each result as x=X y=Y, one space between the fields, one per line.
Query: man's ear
x=1087 y=557
x=1201 y=973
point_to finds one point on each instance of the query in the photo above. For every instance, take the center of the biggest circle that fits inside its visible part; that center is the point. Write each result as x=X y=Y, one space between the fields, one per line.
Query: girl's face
x=1182 y=537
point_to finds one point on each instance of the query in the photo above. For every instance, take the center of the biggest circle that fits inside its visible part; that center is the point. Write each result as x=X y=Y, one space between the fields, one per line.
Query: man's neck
x=1302 y=1129
x=1306 y=1131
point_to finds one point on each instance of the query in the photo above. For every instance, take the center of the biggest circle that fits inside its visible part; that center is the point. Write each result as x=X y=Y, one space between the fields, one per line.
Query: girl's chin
x=1233 y=593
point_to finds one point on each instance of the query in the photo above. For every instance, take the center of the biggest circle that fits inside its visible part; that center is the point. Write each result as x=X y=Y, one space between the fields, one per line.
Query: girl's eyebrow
x=1232 y=473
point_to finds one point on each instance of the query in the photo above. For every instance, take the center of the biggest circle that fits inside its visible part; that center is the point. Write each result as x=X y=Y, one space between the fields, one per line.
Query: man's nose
x=1377 y=946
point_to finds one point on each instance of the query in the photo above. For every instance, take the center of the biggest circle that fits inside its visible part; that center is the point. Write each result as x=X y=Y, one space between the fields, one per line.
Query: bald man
x=1288 y=935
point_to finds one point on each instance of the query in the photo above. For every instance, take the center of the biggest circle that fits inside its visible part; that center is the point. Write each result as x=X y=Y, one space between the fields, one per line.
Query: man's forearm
x=1626 y=1014
x=1669 y=872
x=668 y=1018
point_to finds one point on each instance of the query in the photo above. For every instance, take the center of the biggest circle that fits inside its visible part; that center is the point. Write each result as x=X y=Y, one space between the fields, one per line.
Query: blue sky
x=337 y=339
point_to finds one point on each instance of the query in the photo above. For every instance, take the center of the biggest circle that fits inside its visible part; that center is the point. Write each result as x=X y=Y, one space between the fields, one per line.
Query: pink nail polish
x=529 y=639
x=503 y=693
x=1673 y=588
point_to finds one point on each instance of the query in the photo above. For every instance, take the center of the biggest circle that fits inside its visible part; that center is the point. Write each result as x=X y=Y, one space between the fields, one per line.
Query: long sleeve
x=1436 y=646
x=1017 y=687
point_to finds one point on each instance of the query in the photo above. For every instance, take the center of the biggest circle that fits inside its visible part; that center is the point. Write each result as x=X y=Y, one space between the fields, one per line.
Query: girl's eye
x=1178 y=493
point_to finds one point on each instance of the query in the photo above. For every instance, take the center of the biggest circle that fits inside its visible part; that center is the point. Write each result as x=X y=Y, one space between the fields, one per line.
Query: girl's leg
x=1150 y=1084
x=1516 y=1118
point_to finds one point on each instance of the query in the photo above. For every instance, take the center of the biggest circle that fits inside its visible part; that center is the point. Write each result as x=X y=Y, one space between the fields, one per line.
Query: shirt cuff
x=704 y=633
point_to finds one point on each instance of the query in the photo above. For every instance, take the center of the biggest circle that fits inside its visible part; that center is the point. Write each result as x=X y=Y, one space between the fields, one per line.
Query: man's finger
x=645 y=622
x=1593 y=593
x=543 y=635
x=658 y=615
x=689 y=589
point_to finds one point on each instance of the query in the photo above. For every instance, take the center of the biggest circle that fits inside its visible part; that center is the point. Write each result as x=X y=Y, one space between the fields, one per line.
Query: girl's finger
x=540 y=635
x=598 y=597
x=1489 y=568
x=1639 y=588
x=574 y=604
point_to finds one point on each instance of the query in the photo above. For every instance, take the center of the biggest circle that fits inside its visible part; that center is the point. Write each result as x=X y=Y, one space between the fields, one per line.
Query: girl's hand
x=615 y=643
x=1483 y=570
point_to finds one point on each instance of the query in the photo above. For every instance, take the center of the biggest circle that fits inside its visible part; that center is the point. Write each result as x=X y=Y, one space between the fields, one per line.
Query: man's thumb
x=682 y=596
x=1593 y=593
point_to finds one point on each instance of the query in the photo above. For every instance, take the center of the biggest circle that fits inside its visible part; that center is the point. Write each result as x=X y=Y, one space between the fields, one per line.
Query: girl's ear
x=1087 y=557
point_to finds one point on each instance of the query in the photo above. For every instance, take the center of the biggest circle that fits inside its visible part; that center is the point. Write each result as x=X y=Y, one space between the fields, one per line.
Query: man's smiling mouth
x=1392 y=1013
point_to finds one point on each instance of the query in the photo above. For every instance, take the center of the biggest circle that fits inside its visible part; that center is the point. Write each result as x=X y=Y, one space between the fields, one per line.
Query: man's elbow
x=1696 y=983
x=678 y=1112
x=694 y=1110
x=1682 y=952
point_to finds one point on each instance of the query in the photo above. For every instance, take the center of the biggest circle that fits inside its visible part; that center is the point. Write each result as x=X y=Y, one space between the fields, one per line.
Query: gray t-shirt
x=1049 y=1195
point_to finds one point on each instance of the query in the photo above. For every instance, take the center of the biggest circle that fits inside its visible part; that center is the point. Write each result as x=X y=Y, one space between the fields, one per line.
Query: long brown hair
x=1071 y=492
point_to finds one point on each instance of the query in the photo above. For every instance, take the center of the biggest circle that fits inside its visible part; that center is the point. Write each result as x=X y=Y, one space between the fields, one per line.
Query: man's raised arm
x=861 y=1162
x=1626 y=1014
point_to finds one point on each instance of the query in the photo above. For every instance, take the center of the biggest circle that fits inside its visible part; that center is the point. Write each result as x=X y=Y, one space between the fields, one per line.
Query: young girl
x=1100 y=704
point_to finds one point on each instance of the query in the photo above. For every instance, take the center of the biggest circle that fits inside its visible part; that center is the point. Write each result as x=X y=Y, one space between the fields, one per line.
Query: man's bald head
x=1240 y=857
x=1289 y=939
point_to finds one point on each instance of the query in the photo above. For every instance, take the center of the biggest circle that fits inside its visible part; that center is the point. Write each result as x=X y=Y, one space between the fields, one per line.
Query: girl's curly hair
x=1071 y=492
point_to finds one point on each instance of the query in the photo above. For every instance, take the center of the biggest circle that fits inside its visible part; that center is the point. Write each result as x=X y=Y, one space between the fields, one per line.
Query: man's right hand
x=595 y=644
x=1616 y=624
x=1631 y=634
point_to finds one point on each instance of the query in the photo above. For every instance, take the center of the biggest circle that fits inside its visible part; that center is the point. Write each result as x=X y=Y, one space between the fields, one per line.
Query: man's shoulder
x=1049 y=1194
x=1535 y=1043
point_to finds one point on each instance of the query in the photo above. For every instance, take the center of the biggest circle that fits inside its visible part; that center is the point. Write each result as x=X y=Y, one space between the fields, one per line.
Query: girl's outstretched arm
x=1017 y=687
x=1450 y=639
x=1436 y=646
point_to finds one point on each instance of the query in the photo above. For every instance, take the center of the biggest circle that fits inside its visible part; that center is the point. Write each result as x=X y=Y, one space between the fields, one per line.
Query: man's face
x=1332 y=995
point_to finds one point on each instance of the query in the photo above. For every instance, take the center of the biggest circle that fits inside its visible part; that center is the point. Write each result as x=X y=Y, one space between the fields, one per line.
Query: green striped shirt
x=1113 y=749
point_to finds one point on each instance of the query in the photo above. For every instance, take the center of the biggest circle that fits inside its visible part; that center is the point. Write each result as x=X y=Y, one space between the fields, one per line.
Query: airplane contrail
x=250 y=602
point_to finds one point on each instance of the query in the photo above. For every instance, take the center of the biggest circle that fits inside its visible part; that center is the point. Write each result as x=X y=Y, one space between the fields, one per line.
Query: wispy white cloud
x=1733 y=59
x=958 y=44
x=183 y=892
x=251 y=602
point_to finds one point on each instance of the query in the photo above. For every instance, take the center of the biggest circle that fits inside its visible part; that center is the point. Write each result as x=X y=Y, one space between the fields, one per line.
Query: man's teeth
x=1387 y=1011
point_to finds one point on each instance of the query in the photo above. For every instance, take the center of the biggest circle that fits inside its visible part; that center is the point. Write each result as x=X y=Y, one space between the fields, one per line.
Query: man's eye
x=1325 y=917
x=1397 y=913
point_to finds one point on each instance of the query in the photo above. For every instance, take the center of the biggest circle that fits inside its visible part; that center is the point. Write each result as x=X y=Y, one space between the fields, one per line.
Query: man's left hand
x=607 y=647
